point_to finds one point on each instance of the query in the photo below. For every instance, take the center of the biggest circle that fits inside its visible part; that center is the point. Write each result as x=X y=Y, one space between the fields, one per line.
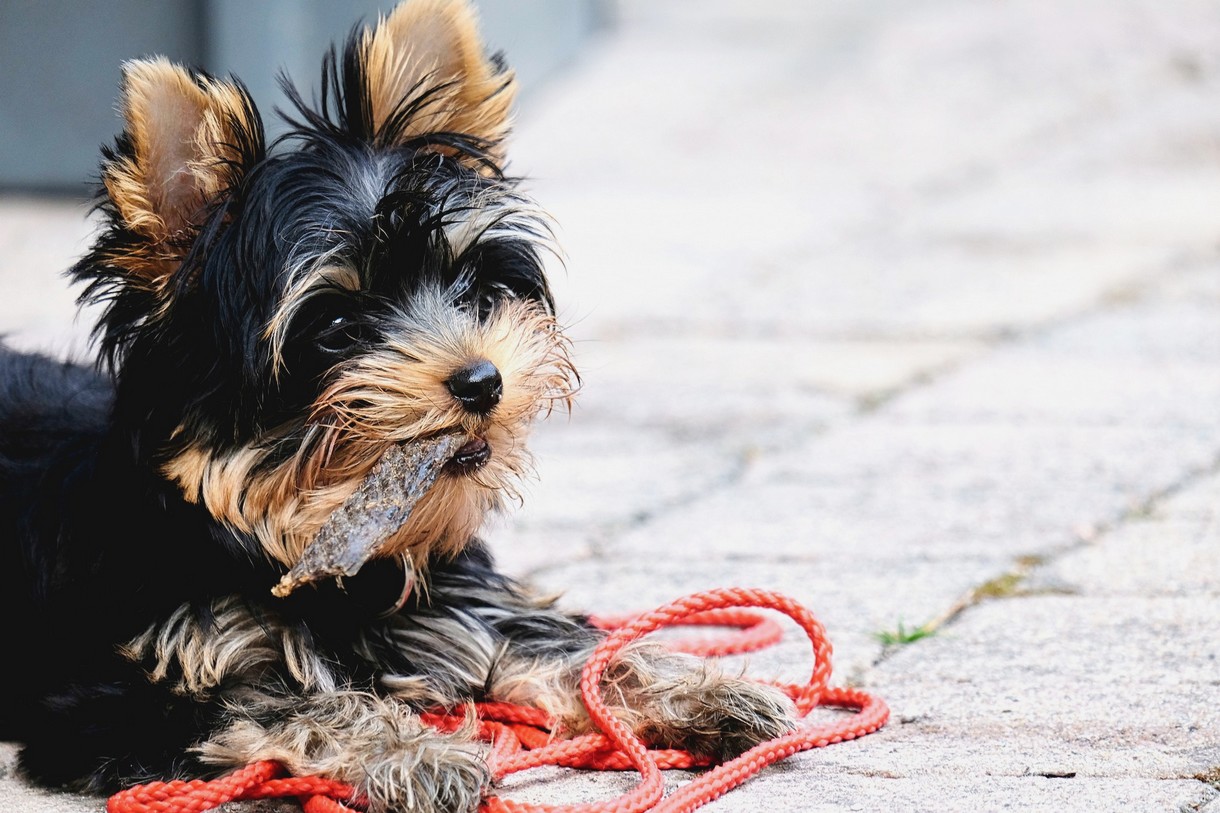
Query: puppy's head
x=278 y=317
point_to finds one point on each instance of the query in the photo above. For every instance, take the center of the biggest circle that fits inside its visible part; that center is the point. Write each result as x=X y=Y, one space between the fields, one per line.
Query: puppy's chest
x=366 y=632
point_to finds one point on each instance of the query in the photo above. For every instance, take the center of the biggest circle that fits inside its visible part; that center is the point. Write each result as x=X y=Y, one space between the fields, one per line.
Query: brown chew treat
x=375 y=510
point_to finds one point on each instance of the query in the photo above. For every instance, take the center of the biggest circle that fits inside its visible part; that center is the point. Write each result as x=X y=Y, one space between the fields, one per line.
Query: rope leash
x=520 y=736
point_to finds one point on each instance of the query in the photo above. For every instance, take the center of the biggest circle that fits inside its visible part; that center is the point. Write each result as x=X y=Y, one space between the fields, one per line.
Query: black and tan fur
x=274 y=318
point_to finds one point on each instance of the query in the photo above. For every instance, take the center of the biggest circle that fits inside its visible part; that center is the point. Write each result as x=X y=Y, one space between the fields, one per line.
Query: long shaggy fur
x=275 y=317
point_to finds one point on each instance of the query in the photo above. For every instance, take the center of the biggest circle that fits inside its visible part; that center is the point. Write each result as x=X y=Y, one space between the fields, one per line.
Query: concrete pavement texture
x=910 y=311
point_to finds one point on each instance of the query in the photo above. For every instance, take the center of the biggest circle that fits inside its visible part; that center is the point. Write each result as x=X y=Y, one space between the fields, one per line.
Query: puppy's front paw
x=373 y=743
x=680 y=701
x=440 y=775
x=717 y=716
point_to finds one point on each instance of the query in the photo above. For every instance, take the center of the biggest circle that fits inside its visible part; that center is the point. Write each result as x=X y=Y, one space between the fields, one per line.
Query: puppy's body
x=276 y=319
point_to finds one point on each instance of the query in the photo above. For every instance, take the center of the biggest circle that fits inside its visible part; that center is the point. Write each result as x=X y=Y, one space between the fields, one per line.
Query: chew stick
x=379 y=506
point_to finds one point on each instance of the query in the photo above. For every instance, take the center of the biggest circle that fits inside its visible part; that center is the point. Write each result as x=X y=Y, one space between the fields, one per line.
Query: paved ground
x=910 y=311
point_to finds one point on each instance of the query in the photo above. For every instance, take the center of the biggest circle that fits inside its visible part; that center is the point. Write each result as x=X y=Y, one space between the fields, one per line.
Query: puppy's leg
x=669 y=699
x=372 y=743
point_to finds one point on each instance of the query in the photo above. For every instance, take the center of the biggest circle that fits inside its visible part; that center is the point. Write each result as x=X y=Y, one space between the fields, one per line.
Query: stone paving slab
x=1115 y=674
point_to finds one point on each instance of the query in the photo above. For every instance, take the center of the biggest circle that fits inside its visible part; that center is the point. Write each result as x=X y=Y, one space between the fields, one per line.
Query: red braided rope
x=257 y=781
x=520 y=737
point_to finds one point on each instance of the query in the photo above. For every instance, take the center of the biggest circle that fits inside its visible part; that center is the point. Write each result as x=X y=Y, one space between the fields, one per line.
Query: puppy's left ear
x=187 y=140
x=426 y=71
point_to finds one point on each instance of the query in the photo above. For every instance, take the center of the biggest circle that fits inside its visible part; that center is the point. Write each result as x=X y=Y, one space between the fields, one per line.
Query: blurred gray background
x=60 y=61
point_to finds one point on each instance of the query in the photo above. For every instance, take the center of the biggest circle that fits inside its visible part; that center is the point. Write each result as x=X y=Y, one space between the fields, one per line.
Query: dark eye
x=338 y=333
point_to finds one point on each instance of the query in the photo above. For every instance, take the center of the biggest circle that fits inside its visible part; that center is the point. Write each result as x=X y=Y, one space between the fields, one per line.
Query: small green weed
x=902 y=635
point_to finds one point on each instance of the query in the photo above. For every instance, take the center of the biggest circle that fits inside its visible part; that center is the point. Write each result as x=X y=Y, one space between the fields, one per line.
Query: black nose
x=478 y=386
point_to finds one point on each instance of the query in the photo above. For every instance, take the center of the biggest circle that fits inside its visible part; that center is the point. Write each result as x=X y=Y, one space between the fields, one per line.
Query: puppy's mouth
x=470 y=457
x=383 y=502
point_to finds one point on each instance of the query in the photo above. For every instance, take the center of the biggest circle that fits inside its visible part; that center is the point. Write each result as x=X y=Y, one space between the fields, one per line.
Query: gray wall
x=59 y=62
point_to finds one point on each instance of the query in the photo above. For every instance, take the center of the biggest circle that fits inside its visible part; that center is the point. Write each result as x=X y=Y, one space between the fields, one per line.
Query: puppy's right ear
x=432 y=48
x=188 y=140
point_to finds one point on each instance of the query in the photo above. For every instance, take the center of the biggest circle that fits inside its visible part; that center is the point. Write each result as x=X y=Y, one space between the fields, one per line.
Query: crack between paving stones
x=1209 y=777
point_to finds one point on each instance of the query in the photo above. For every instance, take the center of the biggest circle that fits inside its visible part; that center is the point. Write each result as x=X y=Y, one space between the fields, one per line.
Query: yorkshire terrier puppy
x=207 y=559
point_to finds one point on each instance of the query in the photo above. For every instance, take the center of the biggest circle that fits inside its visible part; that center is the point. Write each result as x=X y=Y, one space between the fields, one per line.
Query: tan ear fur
x=180 y=139
x=426 y=43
